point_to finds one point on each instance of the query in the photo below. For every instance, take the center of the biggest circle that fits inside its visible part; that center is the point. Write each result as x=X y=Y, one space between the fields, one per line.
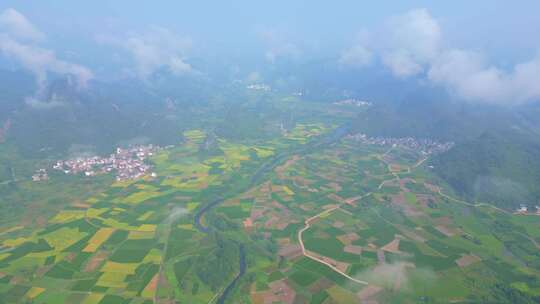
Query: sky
x=479 y=50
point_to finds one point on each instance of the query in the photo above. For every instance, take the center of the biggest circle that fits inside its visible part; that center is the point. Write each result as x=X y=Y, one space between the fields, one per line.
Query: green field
x=80 y=240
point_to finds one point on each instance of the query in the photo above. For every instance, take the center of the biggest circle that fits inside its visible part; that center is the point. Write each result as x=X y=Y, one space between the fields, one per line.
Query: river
x=266 y=167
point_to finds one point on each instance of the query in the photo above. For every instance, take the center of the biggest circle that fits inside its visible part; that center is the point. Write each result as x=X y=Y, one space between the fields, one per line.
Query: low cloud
x=15 y=23
x=38 y=104
x=19 y=40
x=41 y=61
x=175 y=214
x=357 y=56
x=154 y=49
x=467 y=74
x=412 y=45
x=277 y=46
x=397 y=276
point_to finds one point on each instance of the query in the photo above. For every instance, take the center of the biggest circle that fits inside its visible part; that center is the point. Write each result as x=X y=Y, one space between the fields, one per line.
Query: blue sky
x=486 y=39
x=494 y=24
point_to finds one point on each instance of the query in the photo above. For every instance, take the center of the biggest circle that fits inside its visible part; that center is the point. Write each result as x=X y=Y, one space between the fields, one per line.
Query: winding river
x=266 y=167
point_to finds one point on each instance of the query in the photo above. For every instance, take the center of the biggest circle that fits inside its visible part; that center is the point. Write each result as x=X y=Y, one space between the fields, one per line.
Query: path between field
x=306 y=254
x=328 y=211
x=396 y=176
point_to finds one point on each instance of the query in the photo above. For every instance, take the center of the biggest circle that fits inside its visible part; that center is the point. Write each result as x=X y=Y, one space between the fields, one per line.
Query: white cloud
x=40 y=61
x=285 y=50
x=18 y=39
x=154 y=49
x=277 y=46
x=402 y=64
x=357 y=56
x=467 y=74
x=15 y=23
x=411 y=45
x=416 y=35
x=43 y=105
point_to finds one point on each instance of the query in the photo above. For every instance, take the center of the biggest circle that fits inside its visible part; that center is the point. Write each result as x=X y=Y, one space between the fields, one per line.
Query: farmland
x=305 y=216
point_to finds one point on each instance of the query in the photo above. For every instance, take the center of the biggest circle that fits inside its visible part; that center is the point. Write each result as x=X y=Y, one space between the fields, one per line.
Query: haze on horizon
x=484 y=51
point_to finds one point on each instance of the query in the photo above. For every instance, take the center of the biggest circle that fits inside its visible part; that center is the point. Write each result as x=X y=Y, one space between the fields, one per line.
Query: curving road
x=266 y=167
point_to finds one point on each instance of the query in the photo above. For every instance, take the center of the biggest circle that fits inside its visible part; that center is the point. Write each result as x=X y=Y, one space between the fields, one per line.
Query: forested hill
x=438 y=119
x=498 y=167
x=496 y=155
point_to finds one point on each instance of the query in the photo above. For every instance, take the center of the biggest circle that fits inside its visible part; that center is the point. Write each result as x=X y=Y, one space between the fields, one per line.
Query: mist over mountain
x=274 y=152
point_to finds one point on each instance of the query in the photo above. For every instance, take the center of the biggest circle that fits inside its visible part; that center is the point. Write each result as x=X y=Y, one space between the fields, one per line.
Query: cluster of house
x=353 y=102
x=259 y=87
x=126 y=163
x=524 y=209
x=424 y=146
x=40 y=175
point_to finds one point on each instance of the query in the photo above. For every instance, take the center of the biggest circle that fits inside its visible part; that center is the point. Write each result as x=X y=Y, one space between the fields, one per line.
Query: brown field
x=280 y=170
x=336 y=198
x=395 y=167
x=449 y=232
x=290 y=251
x=81 y=205
x=338 y=224
x=392 y=247
x=248 y=223
x=348 y=238
x=321 y=284
x=353 y=249
x=334 y=186
x=408 y=209
x=432 y=187
x=99 y=237
x=341 y=266
x=279 y=292
x=96 y=261
x=467 y=260
x=368 y=292
x=150 y=289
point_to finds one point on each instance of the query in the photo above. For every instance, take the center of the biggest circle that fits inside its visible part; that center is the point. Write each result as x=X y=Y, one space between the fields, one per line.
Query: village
x=128 y=163
x=353 y=102
x=424 y=146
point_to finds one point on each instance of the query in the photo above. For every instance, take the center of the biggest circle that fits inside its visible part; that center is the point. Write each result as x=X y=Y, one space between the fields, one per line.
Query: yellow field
x=34 y=292
x=341 y=295
x=94 y=213
x=65 y=216
x=196 y=136
x=138 y=235
x=150 y=289
x=145 y=216
x=93 y=298
x=287 y=190
x=154 y=256
x=11 y=229
x=112 y=279
x=198 y=183
x=41 y=254
x=192 y=205
x=63 y=238
x=147 y=228
x=26 y=262
x=263 y=152
x=187 y=227
x=14 y=242
x=141 y=196
x=119 y=225
x=146 y=187
x=97 y=239
x=4 y=255
x=92 y=200
x=126 y=268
